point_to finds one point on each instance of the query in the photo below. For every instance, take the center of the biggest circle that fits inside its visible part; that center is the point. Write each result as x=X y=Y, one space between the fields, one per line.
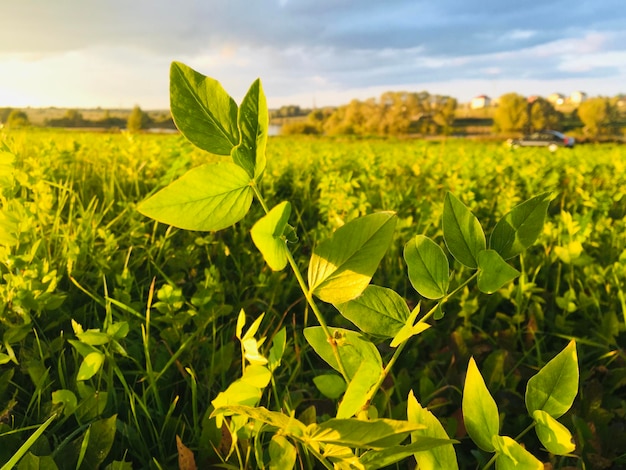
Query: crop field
x=118 y=332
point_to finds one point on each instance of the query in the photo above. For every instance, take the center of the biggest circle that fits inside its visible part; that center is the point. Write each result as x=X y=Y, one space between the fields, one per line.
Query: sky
x=117 y=53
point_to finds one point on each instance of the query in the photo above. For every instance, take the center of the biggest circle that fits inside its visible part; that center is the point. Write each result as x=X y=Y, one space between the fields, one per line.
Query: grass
x=73 y=248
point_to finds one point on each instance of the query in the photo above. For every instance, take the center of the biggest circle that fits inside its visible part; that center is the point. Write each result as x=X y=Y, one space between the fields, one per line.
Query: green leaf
x=93 y=337
x=480 y=411
x=553 y=435
x=257 y=376
x=462 y=232
x=352 y=347
x=253 y=121
x=278 y=349
x=437 y=457
x=282 y=453
x=34 y=462
x=330 y=385
x=209 y=197
x=355 y=398
x=555 y=386
x=429 y=271
x=361 y=434
x=493 y=271
x=378 y=311
x=237 y=393
x=287 y=424
x=267 y=235
x=102 y=434
x=202 y=110
x=342 y=266
x=90 y=366
x=375 y=459
x=65 y=398
x=520 y=228
x=512 y=456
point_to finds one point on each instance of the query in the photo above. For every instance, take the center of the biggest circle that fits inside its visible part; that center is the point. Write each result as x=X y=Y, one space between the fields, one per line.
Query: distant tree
x=137 y=120
x=17 y=119
x=74 y=118
x=544 y=115
x=445 y=113
x=511 y=113
x=4 y=114
x=300 y=128
x=597 y=114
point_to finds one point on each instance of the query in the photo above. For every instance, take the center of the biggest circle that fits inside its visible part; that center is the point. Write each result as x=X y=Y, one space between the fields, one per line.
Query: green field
x=118 y=332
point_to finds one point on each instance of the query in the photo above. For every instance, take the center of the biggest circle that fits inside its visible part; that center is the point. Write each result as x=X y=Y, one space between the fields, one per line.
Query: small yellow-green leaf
x=355 y=397
x=90 y=366
x=257 y=375
x=330 y=385
x=65 y=398
x=512 y=456
x=493 y=271
x=267 y=235
x=553 y=435
x=555 y=386
x=480 y=411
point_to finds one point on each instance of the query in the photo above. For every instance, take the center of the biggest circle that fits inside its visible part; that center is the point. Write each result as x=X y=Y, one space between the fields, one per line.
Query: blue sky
x=116 y=53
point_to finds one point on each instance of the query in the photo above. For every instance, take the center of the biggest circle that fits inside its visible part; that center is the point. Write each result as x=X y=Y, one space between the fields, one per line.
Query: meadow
x=118 y=331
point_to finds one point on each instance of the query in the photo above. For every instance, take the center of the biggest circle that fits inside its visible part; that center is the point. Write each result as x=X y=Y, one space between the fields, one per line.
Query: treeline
x=404 y=113
x=136 y=120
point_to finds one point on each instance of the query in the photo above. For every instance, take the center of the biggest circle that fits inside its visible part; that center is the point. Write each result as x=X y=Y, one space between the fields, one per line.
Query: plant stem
x=307 y=294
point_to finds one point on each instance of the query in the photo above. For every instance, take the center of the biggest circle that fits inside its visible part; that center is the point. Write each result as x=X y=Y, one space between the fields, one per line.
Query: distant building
x=556 y=99
x=480 y=101
x=577 y=97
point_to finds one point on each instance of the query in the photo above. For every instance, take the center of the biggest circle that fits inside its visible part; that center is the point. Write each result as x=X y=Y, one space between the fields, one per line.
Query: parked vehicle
x=551 y=139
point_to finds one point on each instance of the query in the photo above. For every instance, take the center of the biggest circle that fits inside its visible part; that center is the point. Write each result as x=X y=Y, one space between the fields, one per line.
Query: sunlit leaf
x=208 y=197
x=90 y=366
x=282 y=453
x=355 y=398
x=378 y=311
x=512 y=456
x=359 y=433
x=342 y=266
x=493 y=271
x=480 y=412
x=438 y=457
x=555 y=386
x=267 y=235
x=202 y=110
x=520 y=228
x=330 y=385
x=428 y=267
x=462 y=232
x=553 y=435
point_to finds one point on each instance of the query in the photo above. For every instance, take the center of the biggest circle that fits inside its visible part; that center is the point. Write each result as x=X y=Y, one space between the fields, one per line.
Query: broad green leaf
x=288 y=425
x=352 y=347
x=119 y=465
x=520 y=228
x=342 y=266
x=237 y=393
x=555 y=386
x=102 y=434
x=437 y=457
x=480 y=411
x=257 y=376
x=355 y=398
x=93 y=337
x=65 y=398
x=202 y=110
x=330 y=385
x=359 y=433
x=267 y=235
x=90 y=366
x=462 y=232
x=253 y=121
x=512 y=456
x=208 y=197
x=493 y=271
x=375 y=459
x=282 y=453
x=378 y=311
x=35 y=462
x=428 y=267
x=553 y=435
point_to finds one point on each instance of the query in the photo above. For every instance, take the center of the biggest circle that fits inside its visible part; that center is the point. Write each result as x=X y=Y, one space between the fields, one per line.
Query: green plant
x=217 y=195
